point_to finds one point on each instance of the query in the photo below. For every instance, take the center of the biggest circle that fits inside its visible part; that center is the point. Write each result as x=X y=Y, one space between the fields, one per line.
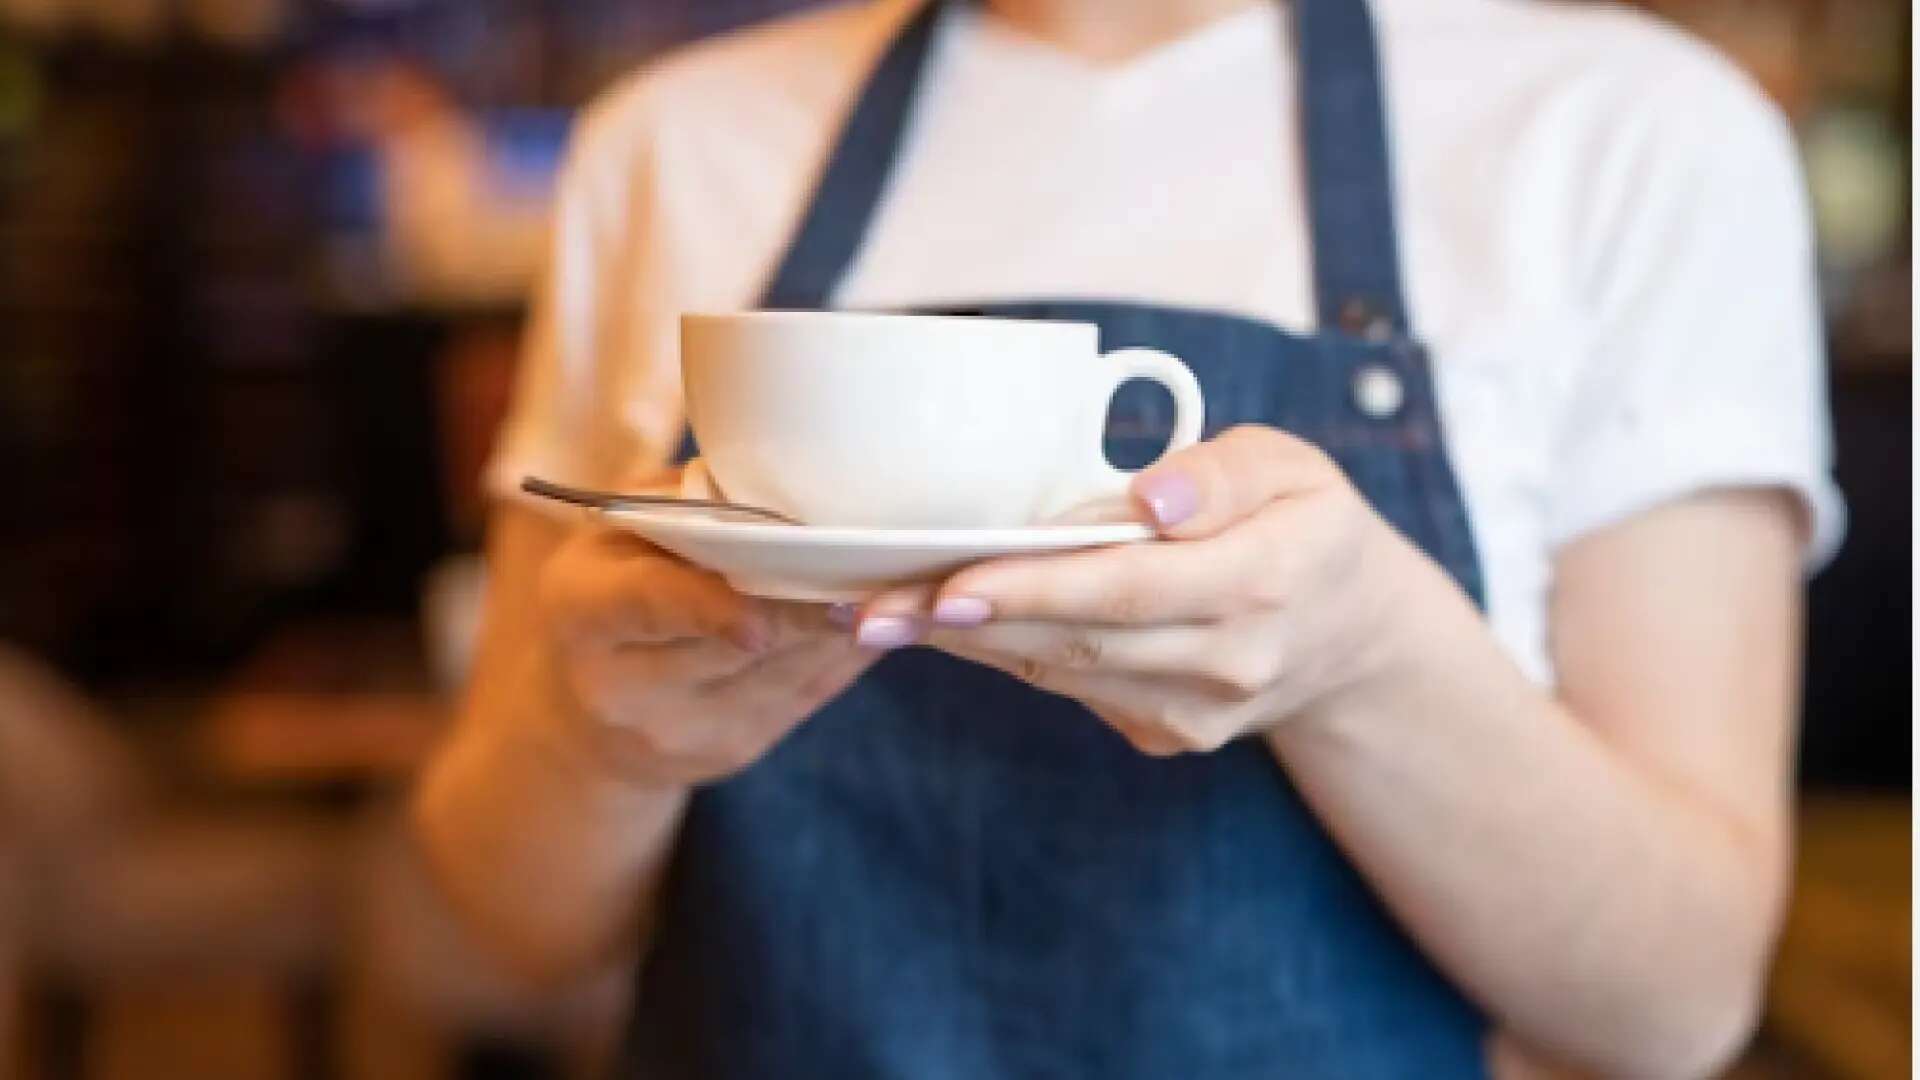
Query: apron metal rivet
x=1378 y=392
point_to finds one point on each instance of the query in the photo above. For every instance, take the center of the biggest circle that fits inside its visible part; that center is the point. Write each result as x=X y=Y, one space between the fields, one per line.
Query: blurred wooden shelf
x=339 y=702
x=291 y=736
x=1842 y=989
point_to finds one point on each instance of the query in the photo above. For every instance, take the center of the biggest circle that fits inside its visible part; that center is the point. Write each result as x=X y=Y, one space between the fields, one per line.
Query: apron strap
x=837 y=219
x=1349 y=170
x=1349 y=176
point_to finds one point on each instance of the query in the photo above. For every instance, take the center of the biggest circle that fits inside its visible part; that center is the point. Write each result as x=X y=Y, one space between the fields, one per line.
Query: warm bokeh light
x=263 y=265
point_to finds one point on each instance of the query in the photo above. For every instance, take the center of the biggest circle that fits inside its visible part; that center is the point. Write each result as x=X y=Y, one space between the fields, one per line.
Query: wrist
x=1416 y=619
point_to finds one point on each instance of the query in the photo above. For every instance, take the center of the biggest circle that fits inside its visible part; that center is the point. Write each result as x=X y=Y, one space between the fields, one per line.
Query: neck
x=1112 y=30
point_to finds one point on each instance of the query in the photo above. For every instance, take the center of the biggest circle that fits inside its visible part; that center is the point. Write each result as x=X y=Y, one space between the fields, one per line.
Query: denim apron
x=948 y=874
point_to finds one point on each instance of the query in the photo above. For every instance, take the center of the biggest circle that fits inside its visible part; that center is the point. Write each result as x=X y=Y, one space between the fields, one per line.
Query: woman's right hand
x=672 y=677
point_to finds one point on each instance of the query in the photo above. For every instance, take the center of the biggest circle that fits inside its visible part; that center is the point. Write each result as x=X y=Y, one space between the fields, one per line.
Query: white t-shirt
x=1605 y=237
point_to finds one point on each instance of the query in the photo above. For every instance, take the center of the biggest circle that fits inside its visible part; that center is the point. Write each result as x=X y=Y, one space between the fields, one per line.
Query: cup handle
x=1095 y=487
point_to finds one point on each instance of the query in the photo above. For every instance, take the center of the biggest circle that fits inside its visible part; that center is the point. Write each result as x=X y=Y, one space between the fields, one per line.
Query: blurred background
x=261 y=269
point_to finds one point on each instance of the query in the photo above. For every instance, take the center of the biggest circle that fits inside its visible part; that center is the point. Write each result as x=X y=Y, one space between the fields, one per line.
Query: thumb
x=1204 y=489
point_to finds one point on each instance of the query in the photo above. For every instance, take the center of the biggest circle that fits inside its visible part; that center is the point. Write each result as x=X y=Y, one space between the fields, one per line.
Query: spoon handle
x=609 y=500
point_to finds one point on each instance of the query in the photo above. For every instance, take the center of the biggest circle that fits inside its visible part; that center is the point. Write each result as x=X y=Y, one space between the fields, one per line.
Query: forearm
x=1596 y=911
x=552 y=859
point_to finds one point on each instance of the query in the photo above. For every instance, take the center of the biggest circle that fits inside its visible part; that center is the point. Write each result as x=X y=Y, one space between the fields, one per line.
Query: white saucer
x=835 y=565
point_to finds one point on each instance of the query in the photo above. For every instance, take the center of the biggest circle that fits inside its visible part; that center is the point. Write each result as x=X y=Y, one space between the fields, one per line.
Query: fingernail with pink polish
x=1169 y=496
x=962 y=611
x=885 y=632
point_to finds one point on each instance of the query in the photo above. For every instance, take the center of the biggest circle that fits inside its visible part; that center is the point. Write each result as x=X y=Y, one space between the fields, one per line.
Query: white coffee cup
x=911 y=421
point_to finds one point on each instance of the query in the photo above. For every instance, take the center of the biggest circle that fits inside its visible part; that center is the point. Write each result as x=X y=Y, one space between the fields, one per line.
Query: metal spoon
x=610 y=500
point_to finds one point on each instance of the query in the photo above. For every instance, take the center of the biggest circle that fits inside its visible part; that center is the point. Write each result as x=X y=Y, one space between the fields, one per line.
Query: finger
x=797 y=676
x=901 y=600
x=795 y=622
x=1094 y=688
x=801 y=677
x=1149 y=740
x=1206 y=488
x=895 y=618
x=736 y=720
x=1115 y=699
x=617 y=588
x=698 y=660
x=1196 y=657
x=1168 y=581
x=694 y=662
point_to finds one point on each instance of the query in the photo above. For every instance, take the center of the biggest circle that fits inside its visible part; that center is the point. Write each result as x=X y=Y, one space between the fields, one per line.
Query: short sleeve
x=1705 y=365
x=593 y=399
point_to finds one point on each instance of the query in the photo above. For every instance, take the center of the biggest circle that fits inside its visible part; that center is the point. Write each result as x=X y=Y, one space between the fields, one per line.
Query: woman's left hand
x=1274 y=587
